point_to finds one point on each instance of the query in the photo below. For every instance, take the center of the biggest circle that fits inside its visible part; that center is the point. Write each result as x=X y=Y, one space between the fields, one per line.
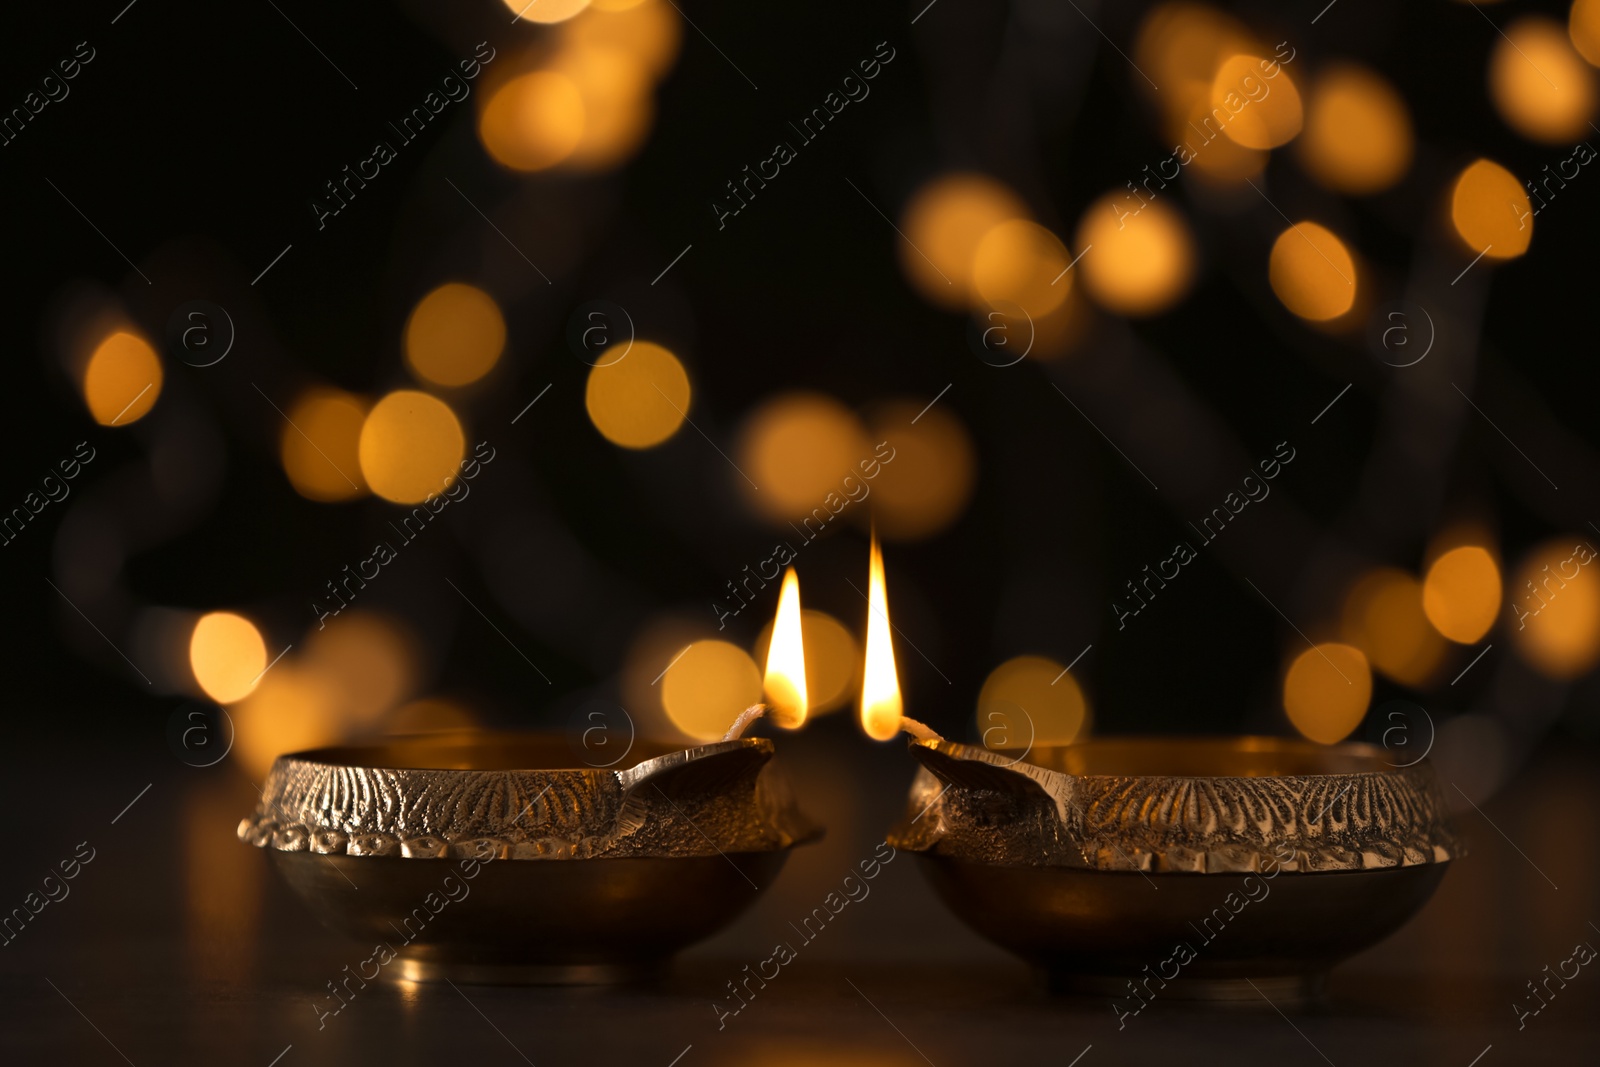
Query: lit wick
x=881 y=708
x=784 y=684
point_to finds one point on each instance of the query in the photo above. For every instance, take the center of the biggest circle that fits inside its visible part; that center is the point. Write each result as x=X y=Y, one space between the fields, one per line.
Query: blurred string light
x=833 y=660
x=1384 y=617
x=227 y=655
x=708 y=685
x=533 y=121
x=944 y=222
x=1020 y=263
x=1539 y=82
x=639 y=400
x=1490 y=211
x=1312 y=272
x=1358 y=136
x=1031 y=699
x=1265 y=112
x=929 y=481
x=410 y=446
x=455 y=335
x=799 y=447
x=1137 y=258
x=1326 y=691
x=1461 y=593
x=122 y=379
x=320 y=444
x=1554 y=605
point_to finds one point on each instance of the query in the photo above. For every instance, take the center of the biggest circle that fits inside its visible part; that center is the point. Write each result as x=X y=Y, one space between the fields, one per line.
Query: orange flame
x=880 y=684
x=785 y=683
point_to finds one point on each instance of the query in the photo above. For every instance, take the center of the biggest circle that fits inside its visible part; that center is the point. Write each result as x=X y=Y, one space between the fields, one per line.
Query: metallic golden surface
x=485 y=857
x=1263 y=858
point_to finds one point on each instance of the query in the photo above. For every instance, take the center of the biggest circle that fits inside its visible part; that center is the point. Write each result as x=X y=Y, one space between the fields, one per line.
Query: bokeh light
x=929 y=470
x=1358 y=137
x=1312 y=272
x=290 y=711
x=639 y=400
x=617 y=106
x=1583 y=27
x=1383 y=616
x=1023 y=264
x=944 y=222
x=320 y=444
x=455 y=335
x=707 y=686
x=227 y=655
x=410 y=446
x=1490 y=211
x=533 y=121
x=1461 y=593
x=1030 y=699
x=1539 y=83
x=368 y=662
x=1215 y=158
x=1326 y=691
x=1554 y=603
x=546 y=11
x=647 y=30
x=1262 y=112
x=1182 y=45
x=799 y=448
x=833 y=660
x=122 y=379
x=1136 y=260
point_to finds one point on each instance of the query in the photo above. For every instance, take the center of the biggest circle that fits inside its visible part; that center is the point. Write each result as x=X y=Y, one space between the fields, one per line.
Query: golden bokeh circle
x=640 y=400
x=411 y=445
x=707 y=686
x=1554 y=604
x=799 y=448
x=1269 y=112
x=1021 y=263
x=319 y=444
x=455 y=335
x=1490 y=211
x=1312 y=272
x=1135 y=260
x=1030 y=699
x=227 y=655
x=944 y=222
x=1383 y=616
x=1358 y=136
x=928 y=471
x=1539 y=83
x=1461 y=593
x=1326 y=691
x=533 y=122
x=122 y=380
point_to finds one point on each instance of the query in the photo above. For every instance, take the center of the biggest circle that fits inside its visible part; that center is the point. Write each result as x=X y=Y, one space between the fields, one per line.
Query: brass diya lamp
x=476 y=856
x=1216 y=868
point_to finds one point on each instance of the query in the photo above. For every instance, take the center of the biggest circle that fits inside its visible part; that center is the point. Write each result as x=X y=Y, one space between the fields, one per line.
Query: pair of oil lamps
x=1213 y=867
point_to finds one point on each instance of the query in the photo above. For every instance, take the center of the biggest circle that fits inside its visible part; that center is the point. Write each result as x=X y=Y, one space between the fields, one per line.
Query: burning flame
x=880 y=685
x=785 y=683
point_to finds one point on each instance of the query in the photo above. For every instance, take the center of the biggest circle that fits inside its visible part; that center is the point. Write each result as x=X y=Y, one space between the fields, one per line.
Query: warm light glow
x=1261 y=112
x=410 y=446
x=799 y=448
x=545 y=10
x=368 y=661
x=931 y=470
x=833 y=660
x=1491 y=212
x=455 y=335
x=1138 y=256
x=880 y=682
x=785 y=682
x=640 y=400
x=1539 y=83
x=122 y=380
x=706 y=687
x=1358 y=132
x=429 y=715
x=1312 y=272
x=1215 y=158
x=320 y=444
x=1030 y=700
x=647 y=30
x=944 y=222
x=1180 y=46
x=1554 y=608
x=1383 y=617
x=617 y=105
x=1022 y=263
x=1326 y=691
x=533 y=121
x=227 y=655
x=1583 y=26
x=292 y=709
x=1461 y=593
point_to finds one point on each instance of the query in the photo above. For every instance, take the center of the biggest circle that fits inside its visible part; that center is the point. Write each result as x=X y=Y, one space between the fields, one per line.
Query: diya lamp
x=492 y=857
x=1200 y=867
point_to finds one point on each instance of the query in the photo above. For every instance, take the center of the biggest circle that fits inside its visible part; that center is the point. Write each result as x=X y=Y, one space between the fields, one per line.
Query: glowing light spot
x=533 y=121
x=1358 y=133
x=122 y=380
x=1210 y=155
x=799 y=448
x=944 y=222
x=617 y=106
x=1461 y=593
x=640 y=400
x=1022 y=263
x=1583 y=26
x=546 y=11
x=1312 y=272
x=1555 y=602
x=1259 y=112
x=455 y=335
x=1180 y=45
x=928 y=472
x=227 y=655
x=1135 y=260
x=833 y=660
x=707 y=687
x=1326 y=692
x=291 y=710
x=319 y=445
x=1490 y=211
x=410 y=446
x=367 y=662
x=647 y=30
x=881 y=706
x=430 y=715
x=1383 y=616
x=1539 y=83
x=1028 y=699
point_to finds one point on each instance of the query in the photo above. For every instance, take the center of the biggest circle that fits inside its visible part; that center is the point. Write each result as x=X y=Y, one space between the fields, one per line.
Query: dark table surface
x=177 y=944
